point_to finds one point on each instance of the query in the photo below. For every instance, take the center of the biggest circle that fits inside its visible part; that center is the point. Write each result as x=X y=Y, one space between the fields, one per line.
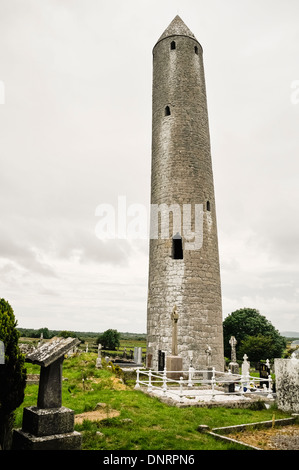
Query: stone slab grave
x=49 y=425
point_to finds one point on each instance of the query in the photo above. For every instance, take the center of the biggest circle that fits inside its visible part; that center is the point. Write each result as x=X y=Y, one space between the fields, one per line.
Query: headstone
x=161 y=360
x=138 y=355
x=2 y=353
x=49 y=425
x=149 y=359
x=40 y=340
x=245 y=368
x=99 y=358
x=287 y=384
x=264 y=374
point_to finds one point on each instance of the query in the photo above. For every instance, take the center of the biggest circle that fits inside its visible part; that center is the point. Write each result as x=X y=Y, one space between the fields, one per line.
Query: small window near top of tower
x=177 y=247
x=167 y=111
x=208 y=206
x=196 y=50
x=172 y=45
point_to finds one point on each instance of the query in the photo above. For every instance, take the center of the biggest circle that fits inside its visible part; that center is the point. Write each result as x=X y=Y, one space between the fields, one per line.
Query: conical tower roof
x=177 y=28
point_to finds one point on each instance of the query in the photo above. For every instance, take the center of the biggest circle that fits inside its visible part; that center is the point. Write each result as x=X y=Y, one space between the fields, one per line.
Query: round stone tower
x=183 y=263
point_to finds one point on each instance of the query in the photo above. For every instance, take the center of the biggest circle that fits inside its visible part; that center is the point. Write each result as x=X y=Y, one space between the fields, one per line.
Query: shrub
x=12 y=373
x=110 y=339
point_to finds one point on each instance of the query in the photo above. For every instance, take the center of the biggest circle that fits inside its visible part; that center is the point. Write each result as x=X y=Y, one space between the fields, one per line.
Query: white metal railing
x=161 y=381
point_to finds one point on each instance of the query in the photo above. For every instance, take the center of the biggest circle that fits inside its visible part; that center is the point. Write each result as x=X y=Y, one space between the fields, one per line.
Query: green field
x=143 y=423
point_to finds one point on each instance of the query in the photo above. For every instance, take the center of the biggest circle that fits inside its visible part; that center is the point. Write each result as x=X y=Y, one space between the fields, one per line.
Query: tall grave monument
x=183 y=260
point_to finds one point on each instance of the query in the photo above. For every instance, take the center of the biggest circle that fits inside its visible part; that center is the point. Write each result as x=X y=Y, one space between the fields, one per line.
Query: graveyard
x=194 y=381
x=111 y=413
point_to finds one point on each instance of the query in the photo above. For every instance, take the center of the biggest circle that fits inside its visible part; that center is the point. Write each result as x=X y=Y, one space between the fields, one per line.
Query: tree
x=257 y=348
x=248 y=322
x=109 y=339
x=44 y=331
x=12 y=373
x=67 y=334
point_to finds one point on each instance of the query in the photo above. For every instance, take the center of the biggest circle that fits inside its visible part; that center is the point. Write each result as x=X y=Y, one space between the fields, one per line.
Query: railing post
x=190 y=384
x=149 y=387
x=213 y=384
x=164 y=381
x=242 y=385
x=181 y=389
x=270 y=387
x=137 y=385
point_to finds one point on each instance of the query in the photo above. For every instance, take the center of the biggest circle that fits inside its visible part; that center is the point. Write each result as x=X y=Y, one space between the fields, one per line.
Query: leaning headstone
x=49 y=425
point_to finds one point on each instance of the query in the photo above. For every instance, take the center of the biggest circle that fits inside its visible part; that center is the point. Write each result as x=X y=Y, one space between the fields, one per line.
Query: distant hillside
x=290 y=334
x=34 y=333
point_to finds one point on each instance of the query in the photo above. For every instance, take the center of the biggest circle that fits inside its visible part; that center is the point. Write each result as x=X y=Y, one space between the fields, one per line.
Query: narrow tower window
x=177 y=247
x=208 y=206
x=196 y=50
x=167 y=111
x=172 y=45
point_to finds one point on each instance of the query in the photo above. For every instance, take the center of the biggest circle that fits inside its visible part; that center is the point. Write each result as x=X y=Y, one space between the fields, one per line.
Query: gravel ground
x=277 y=438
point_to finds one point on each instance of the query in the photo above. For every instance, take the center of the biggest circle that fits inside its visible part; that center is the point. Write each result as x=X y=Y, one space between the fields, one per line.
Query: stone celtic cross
x=233 y=343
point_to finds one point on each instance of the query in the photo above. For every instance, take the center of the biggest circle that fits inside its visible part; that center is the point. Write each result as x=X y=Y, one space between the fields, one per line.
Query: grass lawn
x=144 y=423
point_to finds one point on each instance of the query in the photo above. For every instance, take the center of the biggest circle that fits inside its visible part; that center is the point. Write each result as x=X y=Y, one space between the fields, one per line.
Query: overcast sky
x=75 y=133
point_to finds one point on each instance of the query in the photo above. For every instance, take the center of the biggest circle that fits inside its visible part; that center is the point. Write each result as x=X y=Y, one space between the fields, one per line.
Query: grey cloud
x=24 y=256
x=75 y=242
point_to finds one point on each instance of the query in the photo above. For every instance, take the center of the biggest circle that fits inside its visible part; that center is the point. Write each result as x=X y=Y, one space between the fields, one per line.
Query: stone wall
x=287 y=384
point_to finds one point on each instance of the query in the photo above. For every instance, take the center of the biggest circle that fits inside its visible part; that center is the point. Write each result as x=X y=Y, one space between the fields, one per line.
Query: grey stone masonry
x=182 y=175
